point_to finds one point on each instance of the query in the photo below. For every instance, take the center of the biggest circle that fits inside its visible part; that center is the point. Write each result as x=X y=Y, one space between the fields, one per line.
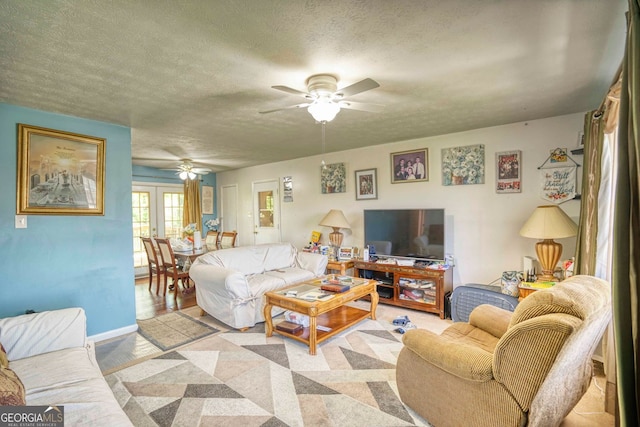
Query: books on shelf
x=537 y=285
x=289 y=327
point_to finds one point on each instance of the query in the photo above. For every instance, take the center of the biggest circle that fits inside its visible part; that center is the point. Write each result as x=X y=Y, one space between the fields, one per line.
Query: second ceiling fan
x=324 y=100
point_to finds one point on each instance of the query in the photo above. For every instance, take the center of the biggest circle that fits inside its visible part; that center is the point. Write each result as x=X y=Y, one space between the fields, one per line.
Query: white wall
x=483 y=225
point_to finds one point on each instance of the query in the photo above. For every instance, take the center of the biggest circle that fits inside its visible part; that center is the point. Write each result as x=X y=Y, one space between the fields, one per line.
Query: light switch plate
x=21 y=221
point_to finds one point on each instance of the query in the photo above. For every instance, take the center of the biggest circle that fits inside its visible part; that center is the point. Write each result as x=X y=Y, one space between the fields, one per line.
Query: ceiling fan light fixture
x=183 y=175
x=324 y=110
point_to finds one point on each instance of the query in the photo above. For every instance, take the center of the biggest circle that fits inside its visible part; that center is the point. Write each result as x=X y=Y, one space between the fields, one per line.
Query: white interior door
x=266 y=212
x=229 y=208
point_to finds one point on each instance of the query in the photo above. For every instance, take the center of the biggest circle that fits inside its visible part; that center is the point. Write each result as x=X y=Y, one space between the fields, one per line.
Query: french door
x=157 y=211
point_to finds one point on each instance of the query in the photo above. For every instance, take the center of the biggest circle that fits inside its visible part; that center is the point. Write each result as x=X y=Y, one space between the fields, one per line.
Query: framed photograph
x=366 y=184
x=333 y=178
x=59 y=173
x=463 y=165
x=410 y=166
x=508 y=172
x=345 y=253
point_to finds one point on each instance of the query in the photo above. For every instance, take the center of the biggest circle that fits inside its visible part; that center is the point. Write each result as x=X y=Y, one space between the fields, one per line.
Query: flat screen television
x=411 y=233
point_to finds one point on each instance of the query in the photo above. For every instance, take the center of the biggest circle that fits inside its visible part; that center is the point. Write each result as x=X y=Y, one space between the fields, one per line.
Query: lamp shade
x=335 y=218
x=549 y=222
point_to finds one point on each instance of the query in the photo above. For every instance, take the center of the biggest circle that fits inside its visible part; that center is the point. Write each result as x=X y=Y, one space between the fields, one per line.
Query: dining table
x=192 y=253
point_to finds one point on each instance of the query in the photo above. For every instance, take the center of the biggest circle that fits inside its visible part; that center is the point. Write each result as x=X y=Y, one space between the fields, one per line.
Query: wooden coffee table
x=330 y=313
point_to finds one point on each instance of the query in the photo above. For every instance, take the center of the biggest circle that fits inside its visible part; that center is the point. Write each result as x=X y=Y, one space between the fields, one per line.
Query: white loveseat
x=230 y=283
x=51 y=355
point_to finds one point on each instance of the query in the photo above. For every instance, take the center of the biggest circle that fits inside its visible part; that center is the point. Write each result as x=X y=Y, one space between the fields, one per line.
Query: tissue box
x=300 y=319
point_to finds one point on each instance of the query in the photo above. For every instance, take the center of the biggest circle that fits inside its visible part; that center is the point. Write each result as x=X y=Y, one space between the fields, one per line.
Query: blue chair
x=467 y=297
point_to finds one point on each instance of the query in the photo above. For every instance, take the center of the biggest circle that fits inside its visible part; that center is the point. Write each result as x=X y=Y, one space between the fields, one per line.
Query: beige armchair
x=529 y=367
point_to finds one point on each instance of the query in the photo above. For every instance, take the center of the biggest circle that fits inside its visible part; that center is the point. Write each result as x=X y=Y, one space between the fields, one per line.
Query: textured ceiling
x=189 y=77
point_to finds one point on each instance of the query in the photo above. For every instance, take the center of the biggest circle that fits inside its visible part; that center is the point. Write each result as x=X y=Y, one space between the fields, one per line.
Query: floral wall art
x=333 y=178
x=463 y=165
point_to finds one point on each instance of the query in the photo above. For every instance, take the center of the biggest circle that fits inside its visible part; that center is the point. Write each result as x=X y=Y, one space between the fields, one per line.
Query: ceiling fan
x=324 y=100
x=186 y=169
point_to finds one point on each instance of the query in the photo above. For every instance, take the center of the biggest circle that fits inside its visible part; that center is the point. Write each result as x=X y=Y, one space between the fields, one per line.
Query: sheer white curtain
x=603 y=268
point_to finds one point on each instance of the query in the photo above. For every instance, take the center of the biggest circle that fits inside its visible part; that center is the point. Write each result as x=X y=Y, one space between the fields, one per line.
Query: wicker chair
x=212 y=240
x=228 y=239
x=155 y=264
x=171 y=268
x=465 y=298
x=526 y=368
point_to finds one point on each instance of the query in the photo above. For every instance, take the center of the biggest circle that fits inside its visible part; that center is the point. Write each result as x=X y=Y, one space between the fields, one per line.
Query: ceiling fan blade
x=201 y=171
x=291 y=90
x=361 y=86
x=361 y=106
x=306 y=104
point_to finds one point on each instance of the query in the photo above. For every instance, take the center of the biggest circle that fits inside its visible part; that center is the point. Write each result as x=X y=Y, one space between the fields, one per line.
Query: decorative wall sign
x=463 y=165
x=287 y=184
x=59 y=173
x=207 y=200
x=410 y=166
x=558 y=155
x=333 y=178
x=558 y=184
x=366 y=184
x=508 y=172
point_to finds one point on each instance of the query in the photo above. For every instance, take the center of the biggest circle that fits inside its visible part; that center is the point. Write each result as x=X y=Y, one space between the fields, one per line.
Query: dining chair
x=228 y=239
x=155 y=266
x=171 y=267
x=212 y=239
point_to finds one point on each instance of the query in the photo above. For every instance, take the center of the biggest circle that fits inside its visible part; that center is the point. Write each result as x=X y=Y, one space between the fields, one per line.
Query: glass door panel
x=156 y=211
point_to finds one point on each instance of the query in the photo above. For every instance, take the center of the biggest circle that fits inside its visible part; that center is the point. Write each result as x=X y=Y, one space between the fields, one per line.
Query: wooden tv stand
x=418 y=288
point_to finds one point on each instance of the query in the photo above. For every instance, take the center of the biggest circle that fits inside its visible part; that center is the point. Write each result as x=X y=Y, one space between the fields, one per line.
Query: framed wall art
x=463 y=165
x=333 y=178
x=508 y=172
x=59 y=173
x=410 y=166
x=207 y=200
x=366 y=184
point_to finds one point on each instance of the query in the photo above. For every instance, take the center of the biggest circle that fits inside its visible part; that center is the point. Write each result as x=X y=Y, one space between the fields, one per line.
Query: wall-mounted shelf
x=577 y=151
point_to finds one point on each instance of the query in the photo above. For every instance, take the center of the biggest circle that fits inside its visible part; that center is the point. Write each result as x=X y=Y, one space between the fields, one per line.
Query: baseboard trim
x=114 y=333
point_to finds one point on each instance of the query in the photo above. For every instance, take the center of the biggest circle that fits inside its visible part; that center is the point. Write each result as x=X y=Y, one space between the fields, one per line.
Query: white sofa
x=51 y=355
x=230 y=283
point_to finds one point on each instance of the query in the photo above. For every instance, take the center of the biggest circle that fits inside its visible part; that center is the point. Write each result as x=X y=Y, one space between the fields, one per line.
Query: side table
x=525 y=291
x=341 y=266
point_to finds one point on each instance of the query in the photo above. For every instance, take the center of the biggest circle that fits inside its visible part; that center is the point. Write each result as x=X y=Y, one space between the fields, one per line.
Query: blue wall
x=65 y=261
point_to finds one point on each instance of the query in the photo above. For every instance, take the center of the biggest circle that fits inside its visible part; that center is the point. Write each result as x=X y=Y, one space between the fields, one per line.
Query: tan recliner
x=526 y=368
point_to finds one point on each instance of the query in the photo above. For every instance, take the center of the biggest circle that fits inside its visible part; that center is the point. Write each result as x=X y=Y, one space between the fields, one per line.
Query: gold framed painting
x=59 y=173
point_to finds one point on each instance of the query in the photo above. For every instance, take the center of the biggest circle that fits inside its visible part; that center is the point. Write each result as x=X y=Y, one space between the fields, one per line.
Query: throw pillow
x=11 y=389
x=4 y=361
x=510 y=281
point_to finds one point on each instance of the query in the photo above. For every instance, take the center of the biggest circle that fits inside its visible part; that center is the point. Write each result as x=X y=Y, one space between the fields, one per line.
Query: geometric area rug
x=246 y=379
x=173 y=329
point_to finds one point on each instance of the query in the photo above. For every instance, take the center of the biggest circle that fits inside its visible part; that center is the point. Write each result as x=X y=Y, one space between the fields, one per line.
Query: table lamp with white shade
x=548 y=223
x=336 y=220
